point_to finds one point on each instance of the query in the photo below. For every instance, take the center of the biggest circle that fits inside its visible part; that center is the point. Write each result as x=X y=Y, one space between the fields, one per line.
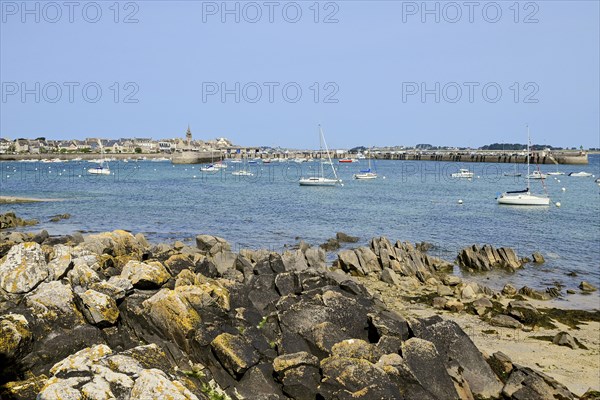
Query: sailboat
x=321 y=180
x=366 y=173
x=524 y=197
x=100 y=169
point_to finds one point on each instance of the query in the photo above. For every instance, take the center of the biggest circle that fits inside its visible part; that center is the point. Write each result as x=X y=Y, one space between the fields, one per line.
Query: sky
x=372 y=73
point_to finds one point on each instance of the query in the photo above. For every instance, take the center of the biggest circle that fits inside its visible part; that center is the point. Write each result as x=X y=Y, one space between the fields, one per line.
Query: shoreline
x=400 y=277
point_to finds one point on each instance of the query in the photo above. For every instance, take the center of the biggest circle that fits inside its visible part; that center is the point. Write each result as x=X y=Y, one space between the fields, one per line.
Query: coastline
x=400 y=278
x=18 y=199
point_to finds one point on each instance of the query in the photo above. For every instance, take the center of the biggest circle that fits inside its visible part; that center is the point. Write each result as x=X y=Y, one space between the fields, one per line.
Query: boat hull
x=318 y=182
x=365 y=176
x=523 y=200
x=98 y=171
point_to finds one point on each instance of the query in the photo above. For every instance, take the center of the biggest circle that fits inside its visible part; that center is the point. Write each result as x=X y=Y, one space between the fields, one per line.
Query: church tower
x=188 y=137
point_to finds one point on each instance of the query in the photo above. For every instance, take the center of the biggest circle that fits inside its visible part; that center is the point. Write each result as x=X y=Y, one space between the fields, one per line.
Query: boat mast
x=528 y=142
x=328 y=156
x=321 y=150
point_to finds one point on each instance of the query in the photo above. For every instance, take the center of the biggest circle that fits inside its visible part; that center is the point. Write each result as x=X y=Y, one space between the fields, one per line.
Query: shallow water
x=417 y=201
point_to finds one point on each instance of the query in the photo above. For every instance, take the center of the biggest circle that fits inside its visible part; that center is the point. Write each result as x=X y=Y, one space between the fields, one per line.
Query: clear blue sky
x=376 y=56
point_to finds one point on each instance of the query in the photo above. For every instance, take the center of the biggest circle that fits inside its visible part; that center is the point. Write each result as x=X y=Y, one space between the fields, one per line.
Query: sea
x=411 y=201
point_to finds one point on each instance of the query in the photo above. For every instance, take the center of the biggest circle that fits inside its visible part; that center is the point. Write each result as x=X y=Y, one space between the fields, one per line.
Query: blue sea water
x=410 y=201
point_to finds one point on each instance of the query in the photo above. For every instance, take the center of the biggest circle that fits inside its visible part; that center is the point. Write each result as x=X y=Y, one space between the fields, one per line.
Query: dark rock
x=10 y=220
x=325 y=335
x=41 y=237
x=564 y=339
x=487 y=257
x=501 y=365
x=258 y=383
x=342 y=237
x=423 y=246
x=235 y=353
x=524 y=312
x=538 y=258
x=390 y=344
x=299 y=374
x=534 y=294
x=427 y=365
x=387 y=323
x=527 y=384
x=287 y=283
x=59 y=217
x=505 y=321
x=453 y=344
x=330 y=245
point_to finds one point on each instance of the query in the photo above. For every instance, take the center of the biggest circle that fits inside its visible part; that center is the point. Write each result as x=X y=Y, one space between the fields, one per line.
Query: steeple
x=188 y=136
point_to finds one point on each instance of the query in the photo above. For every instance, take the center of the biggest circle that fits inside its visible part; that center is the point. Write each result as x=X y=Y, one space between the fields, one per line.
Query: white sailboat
x=366 y=173
x=100 y=169
x=321 y=180
x=524 y=197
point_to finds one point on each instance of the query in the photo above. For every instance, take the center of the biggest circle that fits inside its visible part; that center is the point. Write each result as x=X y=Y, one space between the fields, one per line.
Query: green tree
x=138 y=150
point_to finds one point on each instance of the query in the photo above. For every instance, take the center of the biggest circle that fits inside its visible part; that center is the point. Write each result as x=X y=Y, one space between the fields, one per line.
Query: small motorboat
x=346 y=160
x=581 y=174
x=99 y=170
x=537 y=175
x=463 y=173
x=242 y=173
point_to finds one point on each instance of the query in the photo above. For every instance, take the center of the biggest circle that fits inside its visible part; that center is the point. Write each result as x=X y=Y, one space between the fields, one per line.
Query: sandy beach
x=577 y=369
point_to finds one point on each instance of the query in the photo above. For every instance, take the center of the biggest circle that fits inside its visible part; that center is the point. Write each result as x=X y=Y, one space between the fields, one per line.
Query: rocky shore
x=110 y=316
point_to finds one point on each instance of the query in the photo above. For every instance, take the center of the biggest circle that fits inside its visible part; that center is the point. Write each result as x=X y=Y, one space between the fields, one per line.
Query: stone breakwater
x=110 y=316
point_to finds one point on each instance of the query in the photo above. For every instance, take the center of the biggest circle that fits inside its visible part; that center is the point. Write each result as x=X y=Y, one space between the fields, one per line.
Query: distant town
x=41 y=145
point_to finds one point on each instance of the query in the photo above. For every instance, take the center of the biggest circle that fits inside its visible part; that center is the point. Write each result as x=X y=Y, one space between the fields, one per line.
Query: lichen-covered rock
x=353 y=378
x=356 y=348
x=98 y=308
x=53 y=304
x=81 y=361
x=10 y=220
x=60 y=263
x=172 y=314
x=154 y=384
x=235 y=353
x=81 y=275
x=15 y=335
x=293 y=360
x=23 y=390
x=24 y=268
x=117 y=243
x=149 y=275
